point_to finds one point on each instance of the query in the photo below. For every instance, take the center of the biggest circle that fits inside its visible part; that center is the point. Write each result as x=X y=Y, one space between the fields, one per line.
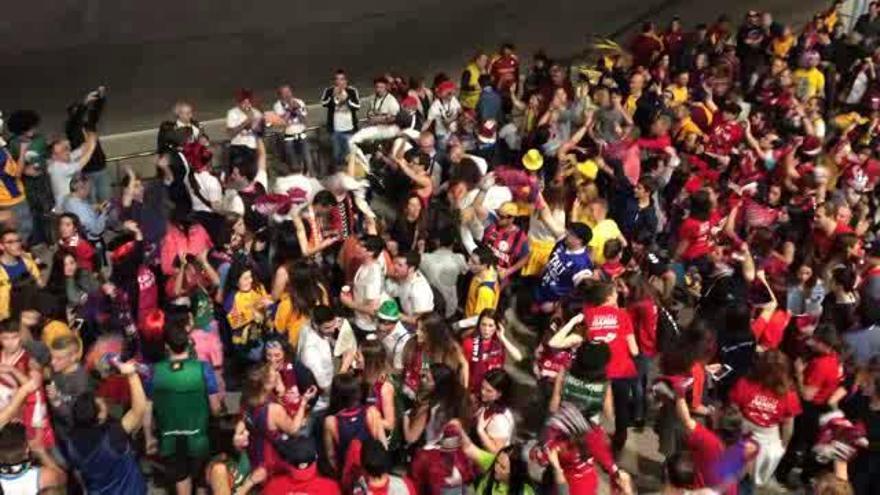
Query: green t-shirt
x=484 y=462
x=181 y=408
x=588 y=397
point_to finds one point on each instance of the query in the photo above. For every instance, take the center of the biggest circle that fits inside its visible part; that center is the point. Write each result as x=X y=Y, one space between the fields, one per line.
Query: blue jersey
x=557 y=280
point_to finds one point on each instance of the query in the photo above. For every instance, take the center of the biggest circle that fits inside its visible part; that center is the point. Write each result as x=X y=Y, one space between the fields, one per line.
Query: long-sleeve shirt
x=93 y=223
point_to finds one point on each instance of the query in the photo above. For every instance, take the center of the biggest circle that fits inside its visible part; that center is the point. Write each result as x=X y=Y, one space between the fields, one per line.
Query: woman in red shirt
x=769 y=402
x=695 y=234
x=642 y=308
x=485 y=349
x=70 y=240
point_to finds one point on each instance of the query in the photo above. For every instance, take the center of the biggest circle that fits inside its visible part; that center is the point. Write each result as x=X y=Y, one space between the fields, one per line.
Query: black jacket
x=353 y=102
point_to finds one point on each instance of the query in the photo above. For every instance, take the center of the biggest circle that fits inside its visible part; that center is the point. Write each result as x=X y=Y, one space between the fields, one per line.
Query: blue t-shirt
x=557 y=280
x=16 y=271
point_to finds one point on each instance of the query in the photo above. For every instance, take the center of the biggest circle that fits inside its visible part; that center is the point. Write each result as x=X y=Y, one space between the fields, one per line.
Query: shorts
x=181 y=465
x=539 y=255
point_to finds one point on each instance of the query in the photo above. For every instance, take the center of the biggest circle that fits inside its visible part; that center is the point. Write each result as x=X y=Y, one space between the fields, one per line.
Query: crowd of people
x=474 y=284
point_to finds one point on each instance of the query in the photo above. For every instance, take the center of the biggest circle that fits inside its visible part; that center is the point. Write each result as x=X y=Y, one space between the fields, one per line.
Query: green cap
x=389 y=311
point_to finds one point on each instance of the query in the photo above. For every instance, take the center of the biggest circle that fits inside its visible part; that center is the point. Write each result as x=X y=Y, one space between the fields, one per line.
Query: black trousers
x=623 y=391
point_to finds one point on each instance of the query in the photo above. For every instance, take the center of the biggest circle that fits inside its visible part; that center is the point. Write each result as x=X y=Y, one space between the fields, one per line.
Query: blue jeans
x=640 y=396
x=101 y=186
x=340 y=146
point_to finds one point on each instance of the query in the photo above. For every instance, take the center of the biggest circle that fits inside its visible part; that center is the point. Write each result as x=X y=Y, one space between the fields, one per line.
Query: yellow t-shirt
x=482 y=293
x=602 y=232
x=289 y=320
x=781 y=46
x=808 y=83
x=679 y=94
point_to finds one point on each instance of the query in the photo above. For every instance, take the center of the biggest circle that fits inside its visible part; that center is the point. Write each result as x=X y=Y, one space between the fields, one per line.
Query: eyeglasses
x=505 y=217
x=12 y=242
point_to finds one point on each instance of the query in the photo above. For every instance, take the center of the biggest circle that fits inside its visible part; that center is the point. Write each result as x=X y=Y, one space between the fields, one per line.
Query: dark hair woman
x=442 y=399
x=349 y=419
x=768 y=401
x=265 y=419
x=298 y=287
x=434 y=343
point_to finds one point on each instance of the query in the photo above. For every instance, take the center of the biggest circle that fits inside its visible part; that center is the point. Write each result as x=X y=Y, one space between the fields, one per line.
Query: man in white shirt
x=294 y=112
x=392 y=333
x=410 y=287
x=243 y=120
x=367 y=290
x=441 y=268
x=64 y=164
x=342 y=103
x=443 y=113
x=184 y=113
x=384 y=108
x=318 y=345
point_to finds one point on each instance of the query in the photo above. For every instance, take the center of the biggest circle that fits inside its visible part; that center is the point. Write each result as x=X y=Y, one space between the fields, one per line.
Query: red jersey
x=706 y=449
x=33 y=414
x=697 y=233
x=509 y=245
x=504 y=71
x=764 y=407
x=435 y=472
x=824 y=242
x=825 y=373
x=483 y=356
x=644 y=318
x=81 y=249
x=549 y=361
x=724 y=137
x=612 y=326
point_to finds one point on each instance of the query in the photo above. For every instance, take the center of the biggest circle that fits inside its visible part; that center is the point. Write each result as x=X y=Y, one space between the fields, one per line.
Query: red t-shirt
x=612 y=326
x=825 y=373
x=697 y=234
x=706 y=448
x=644 y=318
x=769 y=333
x=761 y=406
x=824 y=242
x=302 y=482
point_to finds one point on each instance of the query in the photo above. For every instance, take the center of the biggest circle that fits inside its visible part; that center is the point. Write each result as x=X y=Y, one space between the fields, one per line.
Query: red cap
x=445 y=87
x=811 y=146
x=410 y=102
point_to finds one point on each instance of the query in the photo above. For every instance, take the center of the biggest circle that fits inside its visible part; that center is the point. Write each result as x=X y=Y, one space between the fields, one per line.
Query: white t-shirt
x=367 y=286
x=386 y=105
x=500 y=425
x=343 y=120
x=60 y=174
x=210 y=189
x=296 y=123
x=394 y=344
x=415 y=294
x=442 y=112
x=236 y=117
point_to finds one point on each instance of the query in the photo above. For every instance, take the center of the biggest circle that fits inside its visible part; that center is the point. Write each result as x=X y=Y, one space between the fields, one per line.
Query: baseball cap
x=389 y=311
x=508 y=208
x=445 y=87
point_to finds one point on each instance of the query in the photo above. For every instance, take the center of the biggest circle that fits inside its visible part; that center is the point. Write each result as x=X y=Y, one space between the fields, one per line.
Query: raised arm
x=564 y=339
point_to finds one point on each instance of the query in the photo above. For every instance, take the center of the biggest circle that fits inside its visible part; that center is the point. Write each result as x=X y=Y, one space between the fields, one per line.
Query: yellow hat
x=508 y=209
x=588 y=168
x=533 y=160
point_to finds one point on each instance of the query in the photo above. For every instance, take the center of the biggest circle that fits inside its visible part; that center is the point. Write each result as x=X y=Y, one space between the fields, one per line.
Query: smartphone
x=725 y=370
